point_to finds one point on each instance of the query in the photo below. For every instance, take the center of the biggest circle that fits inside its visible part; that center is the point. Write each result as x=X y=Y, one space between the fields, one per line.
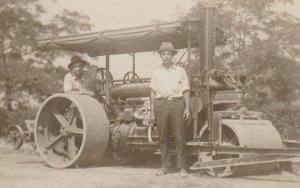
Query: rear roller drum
x=71 y=130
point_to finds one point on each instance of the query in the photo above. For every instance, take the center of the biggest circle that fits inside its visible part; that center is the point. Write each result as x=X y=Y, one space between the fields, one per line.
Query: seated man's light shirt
x=72 y=83
x=169 y=83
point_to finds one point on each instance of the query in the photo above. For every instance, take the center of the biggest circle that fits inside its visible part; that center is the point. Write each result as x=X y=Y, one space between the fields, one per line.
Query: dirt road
x=23 y=169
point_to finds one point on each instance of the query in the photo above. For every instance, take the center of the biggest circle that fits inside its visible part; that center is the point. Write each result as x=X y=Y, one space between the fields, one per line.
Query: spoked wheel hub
x=15 y=137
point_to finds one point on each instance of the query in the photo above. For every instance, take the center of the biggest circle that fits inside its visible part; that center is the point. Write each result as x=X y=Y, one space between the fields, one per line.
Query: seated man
x=74 y=81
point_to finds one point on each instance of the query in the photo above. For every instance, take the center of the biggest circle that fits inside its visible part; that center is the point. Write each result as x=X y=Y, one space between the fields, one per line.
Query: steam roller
x=71 y=131
x=244 y=133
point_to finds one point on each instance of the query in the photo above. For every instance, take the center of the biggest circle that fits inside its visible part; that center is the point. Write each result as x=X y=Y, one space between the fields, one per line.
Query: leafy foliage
x=285 y=119
x=22 y=67
x=3 y=121
x=262 y=43
x=25 y=72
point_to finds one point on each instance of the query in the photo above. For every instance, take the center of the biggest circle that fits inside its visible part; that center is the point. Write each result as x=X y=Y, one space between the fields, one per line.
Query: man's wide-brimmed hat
x=76 y=59
x=167 y=46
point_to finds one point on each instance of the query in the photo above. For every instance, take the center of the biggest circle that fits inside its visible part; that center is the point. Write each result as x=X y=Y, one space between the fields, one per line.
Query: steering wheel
x=130 y=77
x=99 y=80
x=100 y=76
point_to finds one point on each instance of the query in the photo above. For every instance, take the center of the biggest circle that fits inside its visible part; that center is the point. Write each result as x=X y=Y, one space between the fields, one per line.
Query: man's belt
x=169 y=98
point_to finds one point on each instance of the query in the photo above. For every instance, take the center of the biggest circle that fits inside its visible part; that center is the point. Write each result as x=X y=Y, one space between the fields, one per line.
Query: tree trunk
x=7 y=84
x=8 y=94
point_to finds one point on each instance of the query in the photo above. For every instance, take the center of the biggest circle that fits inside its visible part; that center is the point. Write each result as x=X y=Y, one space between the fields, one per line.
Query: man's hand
x=186 y=114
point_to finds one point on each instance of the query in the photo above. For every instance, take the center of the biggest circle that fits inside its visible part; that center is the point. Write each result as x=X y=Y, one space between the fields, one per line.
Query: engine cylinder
x=131 y=90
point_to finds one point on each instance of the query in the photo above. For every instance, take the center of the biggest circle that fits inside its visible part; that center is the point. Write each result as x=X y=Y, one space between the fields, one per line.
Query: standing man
x=169 y=100
x=74 y=81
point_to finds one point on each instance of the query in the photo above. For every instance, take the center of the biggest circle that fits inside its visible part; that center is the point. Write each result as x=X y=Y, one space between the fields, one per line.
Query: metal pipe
x=195 y=125
x=207 y=55
x=107 y=95
x=189 y=51
x=149 y=134
x=181 y=57
x=133 y=63
x=238 y=150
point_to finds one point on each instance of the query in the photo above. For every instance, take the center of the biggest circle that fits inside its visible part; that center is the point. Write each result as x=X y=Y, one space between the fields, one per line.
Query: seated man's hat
x=167 y=46
x=76 y=59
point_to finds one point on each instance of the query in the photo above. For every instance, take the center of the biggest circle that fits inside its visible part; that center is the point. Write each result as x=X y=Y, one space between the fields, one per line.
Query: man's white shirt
x=71 y=83
x=169 y=83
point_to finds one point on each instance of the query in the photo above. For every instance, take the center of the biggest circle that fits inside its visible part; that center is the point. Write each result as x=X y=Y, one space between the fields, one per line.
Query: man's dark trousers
x=168 y=115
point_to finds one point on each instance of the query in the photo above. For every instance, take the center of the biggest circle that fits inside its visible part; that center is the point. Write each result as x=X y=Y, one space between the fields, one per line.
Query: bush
x=3 y=121
x=285 y=118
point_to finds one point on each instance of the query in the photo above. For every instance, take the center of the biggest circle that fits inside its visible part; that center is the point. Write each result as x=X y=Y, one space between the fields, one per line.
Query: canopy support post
x=107 y=96
x=133 y=63
x=195 y=124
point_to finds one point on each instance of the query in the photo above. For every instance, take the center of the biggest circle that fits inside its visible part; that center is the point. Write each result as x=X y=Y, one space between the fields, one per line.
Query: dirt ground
x=22 y=169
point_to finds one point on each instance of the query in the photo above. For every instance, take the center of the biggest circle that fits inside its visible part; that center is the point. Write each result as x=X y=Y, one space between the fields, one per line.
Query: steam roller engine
x=131 y=108
x=78 y=130
x=227 y=139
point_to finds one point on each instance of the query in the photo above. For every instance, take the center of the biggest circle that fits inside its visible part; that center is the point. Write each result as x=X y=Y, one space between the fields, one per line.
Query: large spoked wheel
x=15 y=137
x=99 y=76
x=250 y=133
x=99 y=81
x=71 y=131
x=130 y=77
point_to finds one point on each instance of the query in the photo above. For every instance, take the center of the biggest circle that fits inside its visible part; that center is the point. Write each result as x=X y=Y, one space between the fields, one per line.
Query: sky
x=292 y=9
x=115 y=14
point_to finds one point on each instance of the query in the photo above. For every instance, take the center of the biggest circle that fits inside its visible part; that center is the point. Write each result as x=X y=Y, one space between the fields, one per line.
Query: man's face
x=77 y=69
x=166 y=56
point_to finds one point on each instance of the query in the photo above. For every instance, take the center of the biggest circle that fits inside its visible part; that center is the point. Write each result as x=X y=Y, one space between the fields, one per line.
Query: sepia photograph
x=149 y=93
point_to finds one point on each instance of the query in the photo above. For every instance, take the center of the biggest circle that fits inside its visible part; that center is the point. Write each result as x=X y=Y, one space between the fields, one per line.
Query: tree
x=262 y=43
x=23 y=69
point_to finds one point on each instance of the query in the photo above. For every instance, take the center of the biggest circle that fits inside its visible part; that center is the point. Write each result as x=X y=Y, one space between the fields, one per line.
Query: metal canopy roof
x=120 y=41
